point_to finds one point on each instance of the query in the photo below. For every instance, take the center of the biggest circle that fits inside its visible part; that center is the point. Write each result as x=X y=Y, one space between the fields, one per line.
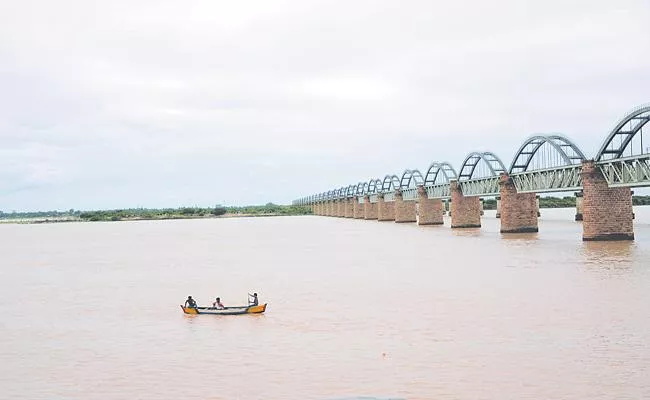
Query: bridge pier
x=330 y=208
x=357 y=208
x=537 y=204
x=498 y=206
x=347 y=208
x=607 y=211
x=430 y=211
x=465 y=211
x=579 y=202
x=385 y=210
x=404 y=210
x=369 y=209
x=518 y=210
x=339 y=208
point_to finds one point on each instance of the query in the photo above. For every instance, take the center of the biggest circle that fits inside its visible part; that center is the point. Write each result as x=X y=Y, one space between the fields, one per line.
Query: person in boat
x=217 y=304
x=190 y=302
x=252 y=299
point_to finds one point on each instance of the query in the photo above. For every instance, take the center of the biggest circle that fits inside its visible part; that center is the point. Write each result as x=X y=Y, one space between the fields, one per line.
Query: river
x=356 y=308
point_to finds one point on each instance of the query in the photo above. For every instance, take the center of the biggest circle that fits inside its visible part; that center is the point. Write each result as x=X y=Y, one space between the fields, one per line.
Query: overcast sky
x=167 y=103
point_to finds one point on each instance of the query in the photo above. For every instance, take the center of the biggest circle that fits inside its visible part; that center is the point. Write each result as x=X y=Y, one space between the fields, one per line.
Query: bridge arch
x=341 y=192
x=350 y=190
x=361 y=188
x=390 y=183
x=621 y=137
x=559 y=151
x=411 y=178
x=374 y=186
x=481 y=165
x=438 y=173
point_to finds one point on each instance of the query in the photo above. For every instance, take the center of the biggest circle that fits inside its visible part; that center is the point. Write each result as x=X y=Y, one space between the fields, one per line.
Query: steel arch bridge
x=479 y=174
x=409 y=183
x=633 y=169
x=542 y=163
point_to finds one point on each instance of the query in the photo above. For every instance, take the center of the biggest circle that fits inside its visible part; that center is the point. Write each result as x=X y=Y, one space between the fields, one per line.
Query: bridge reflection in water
x=542 y=164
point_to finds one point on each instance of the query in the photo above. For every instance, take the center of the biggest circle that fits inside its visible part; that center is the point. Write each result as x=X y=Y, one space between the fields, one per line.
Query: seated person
x=217 y=304
x=253 y=301
x=190 y=302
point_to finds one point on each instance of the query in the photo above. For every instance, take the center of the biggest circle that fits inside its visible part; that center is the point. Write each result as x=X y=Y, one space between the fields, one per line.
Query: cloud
x=164 y=103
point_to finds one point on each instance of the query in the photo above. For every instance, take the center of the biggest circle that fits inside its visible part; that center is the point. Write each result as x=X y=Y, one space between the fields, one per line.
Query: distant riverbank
x=51 y=220
x=149 y=214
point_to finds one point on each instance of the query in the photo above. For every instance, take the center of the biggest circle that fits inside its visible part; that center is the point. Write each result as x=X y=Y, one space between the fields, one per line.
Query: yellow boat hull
x=256 y=309
x=225 y=311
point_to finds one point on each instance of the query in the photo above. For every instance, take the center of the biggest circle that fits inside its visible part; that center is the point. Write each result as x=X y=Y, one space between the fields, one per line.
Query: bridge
x=542 y=164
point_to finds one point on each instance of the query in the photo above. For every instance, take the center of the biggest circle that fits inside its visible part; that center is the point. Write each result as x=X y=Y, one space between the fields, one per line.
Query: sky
x=161 y=103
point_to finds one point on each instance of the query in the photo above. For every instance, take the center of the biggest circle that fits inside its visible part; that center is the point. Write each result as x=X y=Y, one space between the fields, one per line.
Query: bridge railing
x=629 y=171
x=390 y=196
x=441 y=191
x=410 y=194
x=557 y=179
x=373 y=198
x=488 y=186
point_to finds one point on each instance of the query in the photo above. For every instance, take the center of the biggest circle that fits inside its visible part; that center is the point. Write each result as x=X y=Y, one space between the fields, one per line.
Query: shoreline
x=54 y=220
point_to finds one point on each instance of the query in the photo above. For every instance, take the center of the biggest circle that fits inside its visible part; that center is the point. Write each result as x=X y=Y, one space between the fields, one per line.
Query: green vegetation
x=564 y=202
x=270 y=209
x=641 y=200
x=192 y=212
x=153 y=213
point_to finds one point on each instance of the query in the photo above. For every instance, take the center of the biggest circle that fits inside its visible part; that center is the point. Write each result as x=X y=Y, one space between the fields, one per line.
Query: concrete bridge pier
x=319 y=209
x=518 y=210
x=430 y=210
x=498 y=206
x=465 y=211
x=330 y=208
x=607 y=211
x=537 y=203
x=579 y=202
x=385 y=210
x=369 y=209
x=357 y=208
x=340 y=210
x=404 y=210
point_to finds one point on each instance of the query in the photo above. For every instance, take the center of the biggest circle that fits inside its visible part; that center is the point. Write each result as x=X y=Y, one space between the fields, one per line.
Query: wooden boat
x=225 y=311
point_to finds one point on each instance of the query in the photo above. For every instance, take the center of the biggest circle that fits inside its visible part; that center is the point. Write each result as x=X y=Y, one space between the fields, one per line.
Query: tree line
x=564 y=202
